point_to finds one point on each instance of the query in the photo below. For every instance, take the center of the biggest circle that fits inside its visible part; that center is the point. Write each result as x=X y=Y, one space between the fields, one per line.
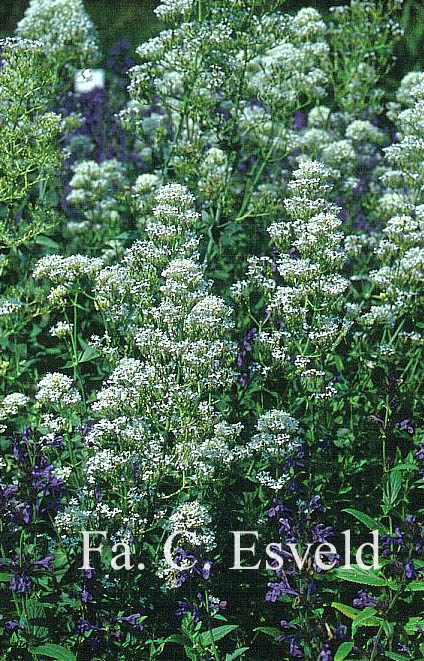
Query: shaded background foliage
x=135 y=20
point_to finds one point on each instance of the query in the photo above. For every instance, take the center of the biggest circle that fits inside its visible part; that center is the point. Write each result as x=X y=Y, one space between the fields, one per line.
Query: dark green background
x=114 y=19
x=135 y=20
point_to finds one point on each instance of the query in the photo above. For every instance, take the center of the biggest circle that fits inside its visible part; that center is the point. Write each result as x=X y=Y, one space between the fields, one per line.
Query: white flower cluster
x=405 y=97
x=143 y=191
x=95 y=188
x=65 y=273
x=8 y=308
x=213 y=173
x=277 y=436
x=294 y=65
x=275 y=484
x=61 y=330
x=303 y=287
x=155 y=421
x=18 y=44
x=401 y=246
x=72 y=518
x=348 y=147
x=64 y=28
x=57 y=389
x=232 y=73
x=172 y=9
x=10 y=406
x=192 y=521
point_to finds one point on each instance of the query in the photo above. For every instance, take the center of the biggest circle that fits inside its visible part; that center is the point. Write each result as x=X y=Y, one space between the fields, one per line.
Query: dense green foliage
x=211 y=320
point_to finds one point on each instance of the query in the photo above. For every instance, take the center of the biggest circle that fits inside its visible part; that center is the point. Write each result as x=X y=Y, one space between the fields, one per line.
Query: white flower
x=8 y=307
x=56 y=388
x=11 y=404
x=191 y=520
x=169 y=9
x=64 y=28
x=265 y=478
x=62 y=330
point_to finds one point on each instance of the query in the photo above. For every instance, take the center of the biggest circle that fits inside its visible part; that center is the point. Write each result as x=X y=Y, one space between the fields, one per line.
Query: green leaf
x=4 y=577
x=61 y=559
x=388 y=629
x=415 y=586
x=55 y=652
x=46 y=242
x=406 y=467
x=353 y=614
x=396 y=657
x=391 y=491
x=349 y=611
x=368 y=521
x=412 y=625
x=216 y=634
x=237 y=654
x=175 y=638
x=362 y=576
x=366 y=618
x=190 y=653
x=269 y=631
x=35 y=611
x=343 y=651
x=89 y=354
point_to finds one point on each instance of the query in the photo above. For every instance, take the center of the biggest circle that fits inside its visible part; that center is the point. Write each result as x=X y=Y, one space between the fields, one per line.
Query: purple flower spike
x=21 y=583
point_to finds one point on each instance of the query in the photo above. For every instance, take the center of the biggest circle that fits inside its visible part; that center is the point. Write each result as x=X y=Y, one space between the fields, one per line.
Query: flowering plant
x=211 y=328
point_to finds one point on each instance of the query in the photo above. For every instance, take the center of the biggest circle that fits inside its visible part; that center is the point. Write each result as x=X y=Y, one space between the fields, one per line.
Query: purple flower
x=406 y=425
x=26 y=513
x=389 y=541
x=12 y=625
x=86 y=428
x=286 y=529
x=46 y=563
x=119 y=60
x=328 y=559
x=312 y=588
x=57 y=443
x=8 y=496
x=45 y=481
x=21 y=583
x=27 y=434
x=300 y=121
x=86 y=596
x=133 y=620
x=294 y=650
x=325 y=654
x=410 y=570
x=419 y=455
x=276 y=508
x=364 y=600
x=84 y=625
x=341 y=632
x=205 y=570
x=184 y=607
x=280 y=589
x=321 y=533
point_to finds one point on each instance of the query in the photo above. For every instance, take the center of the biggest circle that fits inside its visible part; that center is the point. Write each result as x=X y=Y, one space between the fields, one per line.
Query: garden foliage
x=211 y=321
